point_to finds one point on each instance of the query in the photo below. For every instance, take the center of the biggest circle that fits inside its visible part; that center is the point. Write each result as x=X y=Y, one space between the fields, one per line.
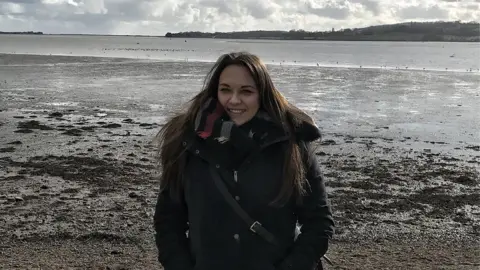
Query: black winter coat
x=218 y=239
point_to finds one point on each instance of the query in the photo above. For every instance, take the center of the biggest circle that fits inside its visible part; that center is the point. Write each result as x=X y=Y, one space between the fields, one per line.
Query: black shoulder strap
x=254 y=226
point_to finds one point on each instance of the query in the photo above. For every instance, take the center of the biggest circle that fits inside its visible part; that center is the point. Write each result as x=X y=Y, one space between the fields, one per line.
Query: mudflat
x=79 y=183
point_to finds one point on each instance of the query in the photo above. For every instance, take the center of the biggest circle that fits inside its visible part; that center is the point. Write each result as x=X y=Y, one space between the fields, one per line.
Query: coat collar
x=305 y=131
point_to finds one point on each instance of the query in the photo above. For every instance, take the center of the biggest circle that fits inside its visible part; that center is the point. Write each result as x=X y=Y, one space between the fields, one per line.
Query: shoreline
x=276 y=64
x=329 y=40
x=262 y=39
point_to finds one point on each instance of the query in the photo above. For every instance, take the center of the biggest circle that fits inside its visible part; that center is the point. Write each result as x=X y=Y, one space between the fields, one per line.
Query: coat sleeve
x=170 y=222
x=315 y=216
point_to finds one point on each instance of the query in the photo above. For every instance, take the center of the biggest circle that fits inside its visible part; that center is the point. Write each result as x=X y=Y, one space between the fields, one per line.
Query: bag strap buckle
x=255 y=226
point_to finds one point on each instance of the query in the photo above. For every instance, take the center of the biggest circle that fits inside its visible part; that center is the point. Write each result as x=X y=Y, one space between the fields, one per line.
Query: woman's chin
x=240 y=119
x=238 y=122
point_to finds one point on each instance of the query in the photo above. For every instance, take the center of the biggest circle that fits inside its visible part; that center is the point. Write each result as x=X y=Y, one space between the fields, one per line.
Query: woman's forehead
x=236 y=76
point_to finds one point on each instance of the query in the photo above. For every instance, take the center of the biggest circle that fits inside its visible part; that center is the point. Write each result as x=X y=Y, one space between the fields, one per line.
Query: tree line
x=411 y=31
x=21 y=33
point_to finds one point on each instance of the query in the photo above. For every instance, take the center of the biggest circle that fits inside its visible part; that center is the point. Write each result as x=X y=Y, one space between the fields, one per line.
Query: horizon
x=253 y=30
x=157 y=17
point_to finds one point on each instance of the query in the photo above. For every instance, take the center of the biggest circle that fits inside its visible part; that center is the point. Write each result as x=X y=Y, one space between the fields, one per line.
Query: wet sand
x=78 y=186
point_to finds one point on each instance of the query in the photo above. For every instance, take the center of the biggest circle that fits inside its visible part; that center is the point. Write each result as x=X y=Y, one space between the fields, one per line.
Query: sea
x=428 y=91
x=438 y=56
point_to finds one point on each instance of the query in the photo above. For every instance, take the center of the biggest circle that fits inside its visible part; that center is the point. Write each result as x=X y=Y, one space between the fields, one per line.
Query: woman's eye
x=224 y=89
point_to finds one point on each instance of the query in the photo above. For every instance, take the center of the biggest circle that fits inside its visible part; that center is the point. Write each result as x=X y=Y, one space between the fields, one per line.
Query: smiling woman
x=239 y=174
x=238 y=94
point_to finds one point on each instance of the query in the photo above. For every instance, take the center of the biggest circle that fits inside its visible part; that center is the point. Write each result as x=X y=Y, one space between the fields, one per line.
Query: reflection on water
x=439 y=56
x=389 y=103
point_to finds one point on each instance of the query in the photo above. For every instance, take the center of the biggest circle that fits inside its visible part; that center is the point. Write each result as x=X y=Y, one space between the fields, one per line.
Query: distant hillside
x=412 y=31
x=21 y=33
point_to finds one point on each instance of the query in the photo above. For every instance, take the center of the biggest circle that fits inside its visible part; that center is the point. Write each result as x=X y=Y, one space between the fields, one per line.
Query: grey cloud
x=21 y=1
x=220 y=5
x=61 y=16
x=4 y=10
x=128 y=10
x=417 y=12
x=41 y=12
x=331 y=10
x=371 y=5
x=259 y=10
x=461 y=1
x=194 y=14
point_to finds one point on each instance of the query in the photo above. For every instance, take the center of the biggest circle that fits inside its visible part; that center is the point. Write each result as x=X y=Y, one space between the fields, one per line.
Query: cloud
x=21 y=1
x=12 y=8
x=329 y=9
x=423 y=12
x=93 y=6
x=370 y=5
x=261 y=9
x=155 y=17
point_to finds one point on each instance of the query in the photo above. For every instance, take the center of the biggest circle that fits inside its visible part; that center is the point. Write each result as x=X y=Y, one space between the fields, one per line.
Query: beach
x=400 y=154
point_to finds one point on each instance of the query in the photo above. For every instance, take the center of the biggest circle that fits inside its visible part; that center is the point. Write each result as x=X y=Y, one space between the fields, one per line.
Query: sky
x=156 y=17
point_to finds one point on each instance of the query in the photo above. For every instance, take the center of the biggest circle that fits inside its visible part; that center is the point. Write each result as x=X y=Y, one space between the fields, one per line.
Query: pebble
x=133 y=195
x=116 y=267
x=115 y=252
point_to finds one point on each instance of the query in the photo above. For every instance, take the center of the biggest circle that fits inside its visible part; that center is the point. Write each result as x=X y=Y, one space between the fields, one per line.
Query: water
x=389 y=55
x=382 y=98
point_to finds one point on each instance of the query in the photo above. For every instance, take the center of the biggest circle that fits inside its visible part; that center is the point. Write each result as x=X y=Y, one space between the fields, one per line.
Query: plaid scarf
x=208 y=117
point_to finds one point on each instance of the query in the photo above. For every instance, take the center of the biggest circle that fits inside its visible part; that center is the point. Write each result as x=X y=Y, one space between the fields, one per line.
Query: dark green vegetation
x=412 y=31
x=22 y=33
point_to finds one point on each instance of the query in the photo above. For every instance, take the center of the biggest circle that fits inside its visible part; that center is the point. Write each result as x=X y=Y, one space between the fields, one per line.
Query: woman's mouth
x=236 y=111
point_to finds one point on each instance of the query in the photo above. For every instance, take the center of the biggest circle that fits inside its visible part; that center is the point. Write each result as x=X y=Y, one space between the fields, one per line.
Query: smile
x=236 y=111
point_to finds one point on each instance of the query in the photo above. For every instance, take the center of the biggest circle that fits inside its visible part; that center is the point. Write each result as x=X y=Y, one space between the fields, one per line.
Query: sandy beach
x=79 y=180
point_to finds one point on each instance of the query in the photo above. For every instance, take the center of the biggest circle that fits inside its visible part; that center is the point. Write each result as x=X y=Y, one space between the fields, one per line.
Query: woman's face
x=238 y=94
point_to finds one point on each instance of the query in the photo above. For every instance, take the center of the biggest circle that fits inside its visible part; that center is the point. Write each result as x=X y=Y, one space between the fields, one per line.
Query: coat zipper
x=235 y=176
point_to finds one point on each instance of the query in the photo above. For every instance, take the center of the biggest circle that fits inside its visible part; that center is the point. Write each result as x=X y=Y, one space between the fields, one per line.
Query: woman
x=240 y=131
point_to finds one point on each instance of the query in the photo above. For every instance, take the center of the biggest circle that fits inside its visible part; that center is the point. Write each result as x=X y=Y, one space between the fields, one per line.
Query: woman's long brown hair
x=170 y=137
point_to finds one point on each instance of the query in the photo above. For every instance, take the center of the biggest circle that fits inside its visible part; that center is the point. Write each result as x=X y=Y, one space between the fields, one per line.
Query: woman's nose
x=235 y=99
